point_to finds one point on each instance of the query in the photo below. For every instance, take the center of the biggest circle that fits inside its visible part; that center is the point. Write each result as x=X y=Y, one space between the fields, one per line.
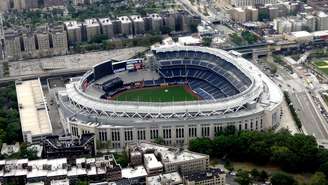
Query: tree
x=207 y=41
x=255 y=174
x=280 y=178
x=324 y=168
x=82 y=183
x=243 y=178
x=263 y=176
x=318 y=178
x=250 y=37
x=159 y=141
x=235 y=38
x=122 y=159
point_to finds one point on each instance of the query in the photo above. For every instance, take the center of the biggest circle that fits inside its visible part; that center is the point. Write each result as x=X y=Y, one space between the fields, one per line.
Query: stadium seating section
x=208 y=75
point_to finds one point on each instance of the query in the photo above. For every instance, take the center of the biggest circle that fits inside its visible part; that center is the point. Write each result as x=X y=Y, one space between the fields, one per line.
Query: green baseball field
x=157 y=94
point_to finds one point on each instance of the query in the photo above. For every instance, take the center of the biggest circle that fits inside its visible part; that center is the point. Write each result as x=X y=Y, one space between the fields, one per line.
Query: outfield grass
x=157 y=94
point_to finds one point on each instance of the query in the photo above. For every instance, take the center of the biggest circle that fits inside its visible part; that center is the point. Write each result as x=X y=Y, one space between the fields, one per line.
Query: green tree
x=318 y=178
x=263 y=176
x=280 y=178
x=243 y=178
x=235 y=38
x=207 y=41
x=159 y=140
x=250 y=37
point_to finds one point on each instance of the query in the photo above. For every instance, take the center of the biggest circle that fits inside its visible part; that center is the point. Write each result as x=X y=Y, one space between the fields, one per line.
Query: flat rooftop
x=138 y=171
x=151 y=162
x=72 y=25
x=171 y=154
x=105 y=21
x=33 y=111
x=170 y=178
x=91 y=22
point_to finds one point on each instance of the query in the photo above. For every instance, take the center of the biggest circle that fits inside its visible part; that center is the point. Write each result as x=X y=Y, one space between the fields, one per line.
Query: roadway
x=311 y=118
x=303 y=99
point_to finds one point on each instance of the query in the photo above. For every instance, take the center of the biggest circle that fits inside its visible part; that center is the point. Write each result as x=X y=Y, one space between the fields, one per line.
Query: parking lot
x=72 y=62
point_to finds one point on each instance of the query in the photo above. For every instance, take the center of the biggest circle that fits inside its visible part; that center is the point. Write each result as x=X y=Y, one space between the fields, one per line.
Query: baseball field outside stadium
x=158 y=94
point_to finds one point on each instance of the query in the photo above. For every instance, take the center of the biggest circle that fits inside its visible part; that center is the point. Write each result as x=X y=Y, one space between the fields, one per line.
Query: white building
x=33 y=112
x=152 y=165
x=169 y=178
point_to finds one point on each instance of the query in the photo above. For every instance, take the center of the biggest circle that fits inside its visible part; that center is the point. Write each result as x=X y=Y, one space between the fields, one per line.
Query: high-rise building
x=156 y=22
x=169 y=20
x=126 y=25
x=252 y=14
x=52 y=3
x=74 y=32
x=244 y=3
x=238 y=15
x=12 y=45
x=310 y=23
x=43 y=43
x=29 y=47
x=58 y=42
x=32 y=4
x=138 y=24
x=4 y=5
x=107 y=27
x=322 y=21
x=91 y=29
x=183 y=21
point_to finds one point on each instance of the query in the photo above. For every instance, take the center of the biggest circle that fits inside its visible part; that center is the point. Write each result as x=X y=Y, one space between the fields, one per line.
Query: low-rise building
x=33 y=112
x=172 y=159
x=169 y=178
x=60 y=170
x=69 y=146
x=152 y=165
x=136 y=175
x=210 y=176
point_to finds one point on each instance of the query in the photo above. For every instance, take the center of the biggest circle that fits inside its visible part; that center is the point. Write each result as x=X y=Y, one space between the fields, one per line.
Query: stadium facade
x=233 y=91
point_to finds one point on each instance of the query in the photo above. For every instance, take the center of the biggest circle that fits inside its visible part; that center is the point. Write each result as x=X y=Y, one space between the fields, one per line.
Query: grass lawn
x=300 y=177
x=321 y=66
x=320 y=63
x=157 y=94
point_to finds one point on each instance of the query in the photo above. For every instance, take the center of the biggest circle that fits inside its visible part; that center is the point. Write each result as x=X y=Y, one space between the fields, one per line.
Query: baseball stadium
x=177 y=93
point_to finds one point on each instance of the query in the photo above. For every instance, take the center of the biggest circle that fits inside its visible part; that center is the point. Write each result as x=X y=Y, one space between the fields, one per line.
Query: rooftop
x=124 y=19
x=91 y=22
x=105 y=21
x=200 y=176
x=151 y=162
x=32 y=108
x=136 y=18
x=170 y=154
x=138 y=171
x=301 y=34
x=9 y=149
x=169 y=178
x=72 y=25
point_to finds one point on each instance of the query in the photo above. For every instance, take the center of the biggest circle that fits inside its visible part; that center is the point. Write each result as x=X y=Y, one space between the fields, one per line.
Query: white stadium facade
x=233 y=91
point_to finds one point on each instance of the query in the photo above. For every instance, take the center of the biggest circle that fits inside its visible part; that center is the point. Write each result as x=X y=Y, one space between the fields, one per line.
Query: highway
x=313 y=122
x=309 y=114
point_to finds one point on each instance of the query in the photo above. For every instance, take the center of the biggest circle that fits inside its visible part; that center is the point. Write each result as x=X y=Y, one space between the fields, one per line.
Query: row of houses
x=149 y=164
